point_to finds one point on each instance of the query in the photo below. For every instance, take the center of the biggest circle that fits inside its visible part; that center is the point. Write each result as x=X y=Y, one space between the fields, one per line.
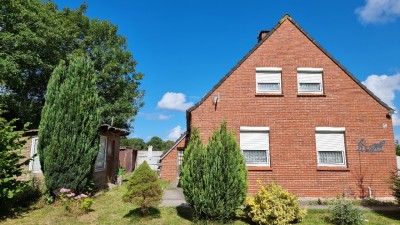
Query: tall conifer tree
x=69 y=128
x=214 y=178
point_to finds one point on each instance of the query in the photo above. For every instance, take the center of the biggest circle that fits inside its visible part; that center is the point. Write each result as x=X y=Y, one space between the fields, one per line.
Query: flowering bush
x=75 y=203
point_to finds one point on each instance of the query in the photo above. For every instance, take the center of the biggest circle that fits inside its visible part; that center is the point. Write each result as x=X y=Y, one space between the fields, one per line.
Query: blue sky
x=185 y=47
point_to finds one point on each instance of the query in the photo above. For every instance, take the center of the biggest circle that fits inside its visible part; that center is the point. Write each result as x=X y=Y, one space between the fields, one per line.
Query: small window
x=268 y=80
x=100 y=163
x=254 y=143
x=34 y=165
x=309 y=80
x=330 y=146
x=180 y=160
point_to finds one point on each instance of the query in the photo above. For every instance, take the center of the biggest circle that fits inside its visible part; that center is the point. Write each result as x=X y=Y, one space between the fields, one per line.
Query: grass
x=109 y=209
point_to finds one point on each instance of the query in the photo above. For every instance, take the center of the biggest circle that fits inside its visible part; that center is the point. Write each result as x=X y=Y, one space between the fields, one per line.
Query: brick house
x=300 y=118
x=107 y=161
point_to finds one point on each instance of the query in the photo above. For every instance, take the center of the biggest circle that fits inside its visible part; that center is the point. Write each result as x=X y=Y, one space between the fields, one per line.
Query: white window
x=180 y=160
x=309 y=80
x=100 y=163
x=269 y=80
x=254 y=143
x=330 y=146
x=34 y=165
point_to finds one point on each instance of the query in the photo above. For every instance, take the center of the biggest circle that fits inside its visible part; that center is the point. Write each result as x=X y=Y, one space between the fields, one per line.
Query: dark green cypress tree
x=69 y=128
x=214 y=178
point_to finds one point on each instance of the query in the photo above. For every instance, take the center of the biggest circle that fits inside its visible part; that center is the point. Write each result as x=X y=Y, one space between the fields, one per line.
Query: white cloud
x=155 y=116
x=174 y=101
x=175 y=133
x=379 y=11
x=385 y=88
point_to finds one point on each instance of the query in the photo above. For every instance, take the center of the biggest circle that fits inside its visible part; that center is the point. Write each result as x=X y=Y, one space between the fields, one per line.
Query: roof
x=173 y=146
x=288 y=18
x=103 y=127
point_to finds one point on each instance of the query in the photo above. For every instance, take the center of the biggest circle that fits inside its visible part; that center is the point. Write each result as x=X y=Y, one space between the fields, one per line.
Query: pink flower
x=64 y=190
x=71 y=195
x=83 y=196
x=77 y=197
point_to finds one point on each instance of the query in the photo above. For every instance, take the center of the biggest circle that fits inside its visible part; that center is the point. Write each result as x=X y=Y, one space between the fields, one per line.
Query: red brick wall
x=292 y=120
x=169 y=165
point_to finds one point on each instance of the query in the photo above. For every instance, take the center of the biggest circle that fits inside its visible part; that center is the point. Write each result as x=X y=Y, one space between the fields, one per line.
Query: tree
x=136 y=143
x=157 y=143
x=214 y=178
x=35 y=36
x=144 y=188
x=168 y=144
x=397 y=148
x=69 y=129
x=11 y=161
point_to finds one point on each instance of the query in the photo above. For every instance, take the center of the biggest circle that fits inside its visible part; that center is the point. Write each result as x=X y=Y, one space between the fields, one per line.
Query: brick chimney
x=262 y=34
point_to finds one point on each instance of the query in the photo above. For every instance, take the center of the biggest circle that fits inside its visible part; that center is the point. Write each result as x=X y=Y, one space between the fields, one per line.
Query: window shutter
x=253 y=140
x=309 y=77
x=268 y=77
x=330 y=141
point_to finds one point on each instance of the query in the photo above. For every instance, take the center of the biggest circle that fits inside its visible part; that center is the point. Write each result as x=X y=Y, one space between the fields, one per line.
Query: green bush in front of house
x=69 y=128
x=11 y=144
x=273 y=205
x=344 y=213
x=144 y=188
x=214 y=177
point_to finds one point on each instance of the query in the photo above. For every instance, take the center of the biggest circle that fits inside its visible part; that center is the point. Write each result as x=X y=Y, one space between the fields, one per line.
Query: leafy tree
x=397 y=148
x=144 y=188
x=168 y=144
x=157 y=143
x=214 y=178
x=11 y=161
x=136 y=143
x=69 y=128
x=35 y=36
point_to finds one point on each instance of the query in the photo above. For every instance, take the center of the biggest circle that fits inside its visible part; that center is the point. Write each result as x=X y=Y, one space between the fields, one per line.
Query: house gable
x=265 y=43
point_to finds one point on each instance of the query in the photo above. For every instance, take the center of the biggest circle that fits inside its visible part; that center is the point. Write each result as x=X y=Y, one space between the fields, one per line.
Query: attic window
x=269 y=80
x=309 y=80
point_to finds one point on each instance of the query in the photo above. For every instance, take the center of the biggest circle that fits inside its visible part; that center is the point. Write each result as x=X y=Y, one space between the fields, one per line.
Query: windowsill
x=332 y=168
x=311 y=95
x=270 y=94
x=259 y=168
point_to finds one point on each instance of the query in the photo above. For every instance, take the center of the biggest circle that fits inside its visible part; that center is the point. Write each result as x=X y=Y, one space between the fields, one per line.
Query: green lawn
x=109 y=209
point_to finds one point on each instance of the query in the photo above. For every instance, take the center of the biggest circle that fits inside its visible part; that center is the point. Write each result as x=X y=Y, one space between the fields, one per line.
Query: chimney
x=262 y=34
x=150 y=151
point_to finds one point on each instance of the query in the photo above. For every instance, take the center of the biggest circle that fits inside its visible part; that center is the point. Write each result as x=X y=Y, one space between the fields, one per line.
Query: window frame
x=272 y=71
x=304 y=70
x=98 y=169
x=331 y=130
x=34 y=143
x=256 y=130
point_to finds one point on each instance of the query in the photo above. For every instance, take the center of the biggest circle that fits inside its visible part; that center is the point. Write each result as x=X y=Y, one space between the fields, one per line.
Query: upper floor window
x=330 y=146
x=254 y=143
x=100 y=163
x=269 y=80
x=309 y=80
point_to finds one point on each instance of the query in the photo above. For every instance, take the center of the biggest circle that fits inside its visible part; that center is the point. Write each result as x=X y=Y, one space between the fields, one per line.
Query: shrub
x=11 y=144
x=394 y=184
x=69 y=129
x=344 y=213
x=144 y=188
x=73 y=203
x=274 y=205
x=214 y=178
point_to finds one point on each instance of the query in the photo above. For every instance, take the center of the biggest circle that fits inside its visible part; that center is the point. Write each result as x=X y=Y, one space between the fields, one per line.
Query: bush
x=75 y=204
x=11 y=144
x=214 y=178
x=344 y=213
x=274 y=205
x=394 y=185
x=144 y=188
